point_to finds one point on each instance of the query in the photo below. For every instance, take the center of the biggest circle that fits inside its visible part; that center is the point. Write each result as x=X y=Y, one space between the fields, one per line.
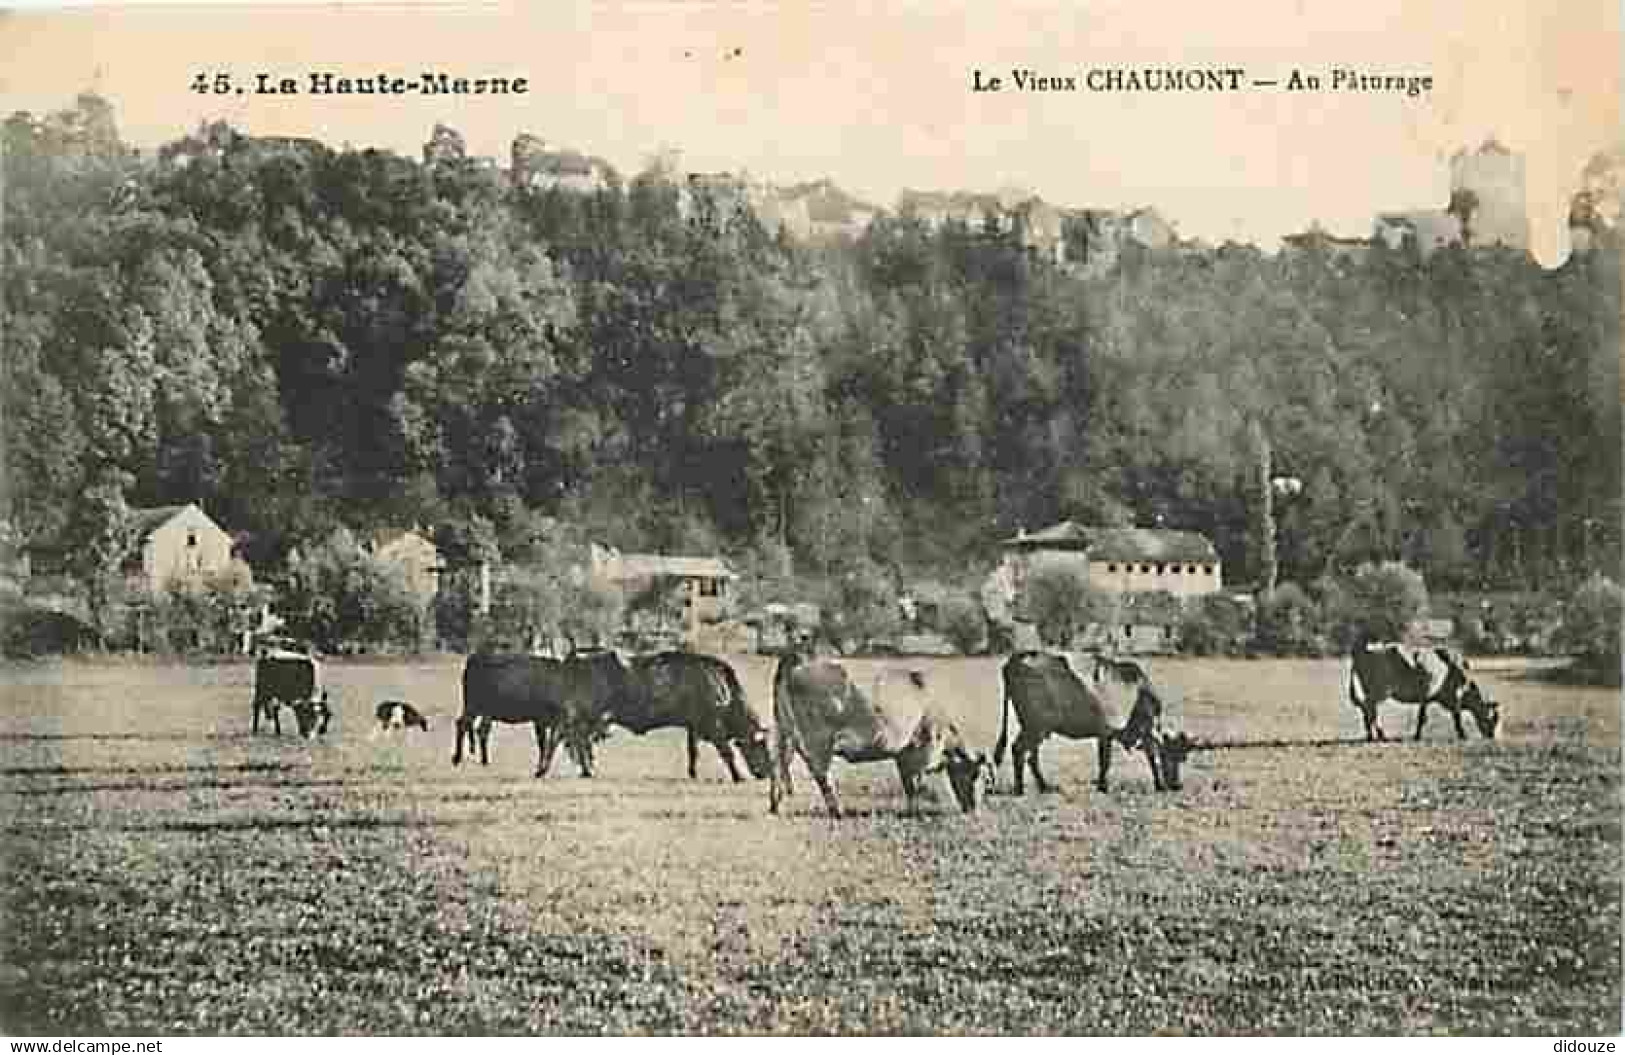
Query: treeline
x=301 y=338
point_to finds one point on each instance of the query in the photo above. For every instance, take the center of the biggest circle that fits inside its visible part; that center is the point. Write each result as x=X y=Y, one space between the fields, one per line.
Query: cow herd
x=821 y=711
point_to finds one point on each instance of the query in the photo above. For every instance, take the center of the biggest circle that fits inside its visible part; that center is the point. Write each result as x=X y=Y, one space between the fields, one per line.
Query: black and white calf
x=398 y=714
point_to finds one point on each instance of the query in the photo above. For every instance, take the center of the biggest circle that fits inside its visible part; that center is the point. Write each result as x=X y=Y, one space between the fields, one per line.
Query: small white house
x=177 y=543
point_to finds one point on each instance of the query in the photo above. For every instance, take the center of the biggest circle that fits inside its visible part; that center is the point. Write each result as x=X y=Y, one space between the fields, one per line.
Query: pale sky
x=881 y=100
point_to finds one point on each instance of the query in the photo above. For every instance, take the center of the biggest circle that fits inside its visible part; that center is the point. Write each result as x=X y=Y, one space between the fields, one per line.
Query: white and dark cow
x=1113 y=704
x=292 y=680
x=1420 y=676
x=822 y=714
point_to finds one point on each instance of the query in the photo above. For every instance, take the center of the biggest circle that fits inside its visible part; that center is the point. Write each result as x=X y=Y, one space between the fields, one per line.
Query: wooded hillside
x=298 y=337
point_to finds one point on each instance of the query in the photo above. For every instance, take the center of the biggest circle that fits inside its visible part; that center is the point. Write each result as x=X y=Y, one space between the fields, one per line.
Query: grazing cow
x=699 y=693
x=512 y=689
x=398 y=714
x=292 y=680
x=821 y=714
x=1420 y=676
x=1116 y=704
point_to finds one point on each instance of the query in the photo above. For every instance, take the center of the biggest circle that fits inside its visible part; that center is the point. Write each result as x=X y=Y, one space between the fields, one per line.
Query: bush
x=1214 y=625
x=1378 y=603
x=453 y=612
x=338 y=595
x=1288 y=623
x=1591 y=623
x=546 y=601
x=961 y=620
x=202 y=615
x=31 y=632
x=1060 y=602
x=863 y=605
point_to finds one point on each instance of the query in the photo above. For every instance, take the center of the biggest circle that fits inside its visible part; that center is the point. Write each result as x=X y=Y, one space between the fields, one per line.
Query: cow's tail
x=1356 y=687
x=736 y=709
x=1004 y=725
x=731 y=689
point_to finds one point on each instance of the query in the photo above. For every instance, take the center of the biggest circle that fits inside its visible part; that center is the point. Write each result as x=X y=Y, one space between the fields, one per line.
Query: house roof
x=1126 y=544
x=144 y=522
x=640 y=565
x=379 y=538
x=1066 y=534
x=1149 y=544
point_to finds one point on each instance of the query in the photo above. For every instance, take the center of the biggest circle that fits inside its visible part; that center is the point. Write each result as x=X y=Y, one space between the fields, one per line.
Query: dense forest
x=300 y=339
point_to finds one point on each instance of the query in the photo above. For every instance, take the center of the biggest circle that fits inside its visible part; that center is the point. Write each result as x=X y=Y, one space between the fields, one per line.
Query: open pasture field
x=165 y=872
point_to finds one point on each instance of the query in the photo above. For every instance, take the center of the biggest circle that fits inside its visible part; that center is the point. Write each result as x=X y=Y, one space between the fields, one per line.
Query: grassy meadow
x=163 y=871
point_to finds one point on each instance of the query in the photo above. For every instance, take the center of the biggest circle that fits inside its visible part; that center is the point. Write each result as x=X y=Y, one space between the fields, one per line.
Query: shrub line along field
x=166 y=872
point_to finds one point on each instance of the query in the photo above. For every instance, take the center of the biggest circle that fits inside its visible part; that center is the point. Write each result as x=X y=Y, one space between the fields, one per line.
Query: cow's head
x=1485 y=711
x=758 y=756
x=1173 y=751
x=313 y=715
x=969 y=775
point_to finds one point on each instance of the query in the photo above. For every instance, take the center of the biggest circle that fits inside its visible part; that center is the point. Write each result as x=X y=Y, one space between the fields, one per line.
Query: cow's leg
x=577 y=743
x=1105 y=755
x=1018 y=762
x=1044 y=786
x=693 y=753
x=256 y=728
x=821 y=778
x=1368 y=712
x=276 y=716
x=1153 y=758
x=547 y=744
x=1455 y=716
x=584 y=755
x=1422 y=717
x=725 y=748
x=462 y=730
x=781 y=786
x=482 y=729
x=910 y=775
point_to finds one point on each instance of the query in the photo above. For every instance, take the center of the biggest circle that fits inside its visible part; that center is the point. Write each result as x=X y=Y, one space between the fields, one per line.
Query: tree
x=1592 y=625
x=1288 y=622
x=1260 y=498
x=99 y=541
x=962 y=622
x=864 y=606
x=1215 y=624
x=1061 y=603
x=338 y=595
x=1380 y=602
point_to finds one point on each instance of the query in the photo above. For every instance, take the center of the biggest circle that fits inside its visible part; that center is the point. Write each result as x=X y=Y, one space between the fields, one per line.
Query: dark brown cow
x=514 y=689
x=821 y=714
x=699 y=693
x=1420 y=676
x=1115 y=704
x=292 y=680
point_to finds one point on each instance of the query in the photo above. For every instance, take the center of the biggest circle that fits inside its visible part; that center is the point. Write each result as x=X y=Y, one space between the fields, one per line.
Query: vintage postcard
x=704 y=518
